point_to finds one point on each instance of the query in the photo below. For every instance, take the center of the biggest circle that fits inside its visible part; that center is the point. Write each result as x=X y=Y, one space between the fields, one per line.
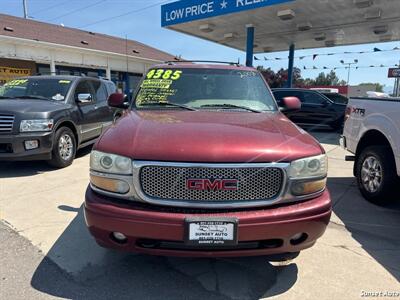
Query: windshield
x=205 y=89
x=37 y=88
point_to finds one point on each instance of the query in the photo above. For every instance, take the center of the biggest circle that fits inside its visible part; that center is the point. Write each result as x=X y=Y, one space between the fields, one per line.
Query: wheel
x=64 y=148
x=376 y=174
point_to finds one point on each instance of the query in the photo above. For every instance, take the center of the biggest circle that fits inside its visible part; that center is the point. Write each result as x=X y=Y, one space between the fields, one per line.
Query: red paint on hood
x=207 y=136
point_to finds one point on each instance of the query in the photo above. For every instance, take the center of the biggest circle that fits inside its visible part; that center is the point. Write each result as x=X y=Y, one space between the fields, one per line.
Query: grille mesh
x=6 y=123
x=169 y=183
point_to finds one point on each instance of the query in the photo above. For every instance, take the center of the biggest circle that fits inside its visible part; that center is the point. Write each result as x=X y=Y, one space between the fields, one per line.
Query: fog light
x=30 y=145
x=298 y=238
x=119 y=237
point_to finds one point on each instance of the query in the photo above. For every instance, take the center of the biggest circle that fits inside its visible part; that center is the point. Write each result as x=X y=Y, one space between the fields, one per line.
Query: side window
x=111 y=88
x=279 y=95
x=83 y=91
x=100 y=91
x=313 y=98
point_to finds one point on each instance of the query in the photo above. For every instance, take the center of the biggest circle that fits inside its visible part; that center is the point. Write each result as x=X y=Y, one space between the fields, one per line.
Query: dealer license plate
x=211 y=232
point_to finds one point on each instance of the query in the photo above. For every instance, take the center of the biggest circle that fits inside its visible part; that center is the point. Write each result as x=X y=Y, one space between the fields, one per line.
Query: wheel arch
x=372 y=137
x=70 y=125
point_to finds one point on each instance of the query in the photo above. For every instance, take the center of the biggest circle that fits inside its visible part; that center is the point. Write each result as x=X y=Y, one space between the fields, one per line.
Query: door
x=105 y=113
x=316 y=109
x=87 y=110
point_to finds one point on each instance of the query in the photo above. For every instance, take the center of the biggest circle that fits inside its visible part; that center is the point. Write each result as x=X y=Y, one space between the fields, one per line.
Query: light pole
x=348 y=73
x=25 y=9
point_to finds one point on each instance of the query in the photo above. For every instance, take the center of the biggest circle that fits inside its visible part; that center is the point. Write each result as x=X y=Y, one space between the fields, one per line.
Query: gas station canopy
x=278 y=24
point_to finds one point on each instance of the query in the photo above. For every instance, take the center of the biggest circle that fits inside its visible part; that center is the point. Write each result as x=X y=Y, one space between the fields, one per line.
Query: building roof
x=44 y=32
x=279 y=23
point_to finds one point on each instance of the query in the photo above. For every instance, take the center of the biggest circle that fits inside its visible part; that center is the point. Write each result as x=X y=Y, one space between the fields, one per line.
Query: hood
x=21 y=106
x=208 y=136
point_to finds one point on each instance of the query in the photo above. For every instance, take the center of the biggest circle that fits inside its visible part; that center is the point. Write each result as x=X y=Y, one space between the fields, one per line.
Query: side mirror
x=117 y=100
x=291 y=104
x=84 y=98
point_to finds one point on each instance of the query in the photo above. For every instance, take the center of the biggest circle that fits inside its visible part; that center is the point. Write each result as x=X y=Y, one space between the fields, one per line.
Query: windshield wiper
x=31 y=97
x=228 y=106
x=169 y=104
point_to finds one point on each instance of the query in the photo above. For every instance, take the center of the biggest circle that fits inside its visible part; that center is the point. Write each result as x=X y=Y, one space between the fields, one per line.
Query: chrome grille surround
x=6 y=122
x=169 y=189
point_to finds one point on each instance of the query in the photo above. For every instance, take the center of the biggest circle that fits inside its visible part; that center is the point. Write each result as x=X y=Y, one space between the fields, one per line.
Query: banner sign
x=190 y=10
x=8 y=73
x=394 y=72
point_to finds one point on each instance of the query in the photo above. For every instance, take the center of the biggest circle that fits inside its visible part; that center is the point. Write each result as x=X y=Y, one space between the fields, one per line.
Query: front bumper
x=12 y=146
x=160 y=231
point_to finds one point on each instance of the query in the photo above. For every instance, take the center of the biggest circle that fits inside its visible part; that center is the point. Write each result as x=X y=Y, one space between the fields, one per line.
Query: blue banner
x=189 y=10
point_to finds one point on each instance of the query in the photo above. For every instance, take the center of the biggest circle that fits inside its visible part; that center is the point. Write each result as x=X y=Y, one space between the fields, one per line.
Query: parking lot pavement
x=46 y=240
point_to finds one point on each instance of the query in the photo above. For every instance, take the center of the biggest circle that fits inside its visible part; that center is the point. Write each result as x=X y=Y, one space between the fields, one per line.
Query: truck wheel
x=376 y=174
x=64 y=148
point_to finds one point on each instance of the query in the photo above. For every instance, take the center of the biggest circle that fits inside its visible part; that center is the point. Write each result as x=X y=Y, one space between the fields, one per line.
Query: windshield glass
x=205 y=89
x=52 y=89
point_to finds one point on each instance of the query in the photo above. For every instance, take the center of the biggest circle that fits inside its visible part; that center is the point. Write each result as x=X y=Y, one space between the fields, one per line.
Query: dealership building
x=29 y=47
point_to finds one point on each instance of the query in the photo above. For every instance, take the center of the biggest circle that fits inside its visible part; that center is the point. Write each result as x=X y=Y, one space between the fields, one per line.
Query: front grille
x=169 y=183
x=6 y=123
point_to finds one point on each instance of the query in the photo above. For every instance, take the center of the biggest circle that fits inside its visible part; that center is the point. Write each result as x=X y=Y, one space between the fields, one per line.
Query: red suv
x=204 y=163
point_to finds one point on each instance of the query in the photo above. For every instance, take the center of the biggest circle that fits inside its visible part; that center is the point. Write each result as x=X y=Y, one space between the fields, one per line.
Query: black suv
x=315 y=108
x=50 y=117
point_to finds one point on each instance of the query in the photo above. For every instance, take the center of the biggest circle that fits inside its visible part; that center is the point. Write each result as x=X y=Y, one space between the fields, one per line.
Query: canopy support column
x=250 y=46
x=291 y=65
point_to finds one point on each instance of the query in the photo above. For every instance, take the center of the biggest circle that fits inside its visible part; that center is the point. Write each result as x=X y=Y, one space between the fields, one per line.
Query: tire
x=376 y=174
x=64 y=148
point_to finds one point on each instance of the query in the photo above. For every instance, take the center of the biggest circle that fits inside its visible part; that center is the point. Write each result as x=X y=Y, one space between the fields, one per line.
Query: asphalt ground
x=47 y=252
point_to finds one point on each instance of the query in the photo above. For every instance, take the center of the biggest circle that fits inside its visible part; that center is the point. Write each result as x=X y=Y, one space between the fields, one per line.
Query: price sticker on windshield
x=16 y=82
x=164 y=74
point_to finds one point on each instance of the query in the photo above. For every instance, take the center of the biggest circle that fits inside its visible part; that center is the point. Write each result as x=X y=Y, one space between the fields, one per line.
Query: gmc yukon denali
x=372 y=134
x=50 y=117
x=205 y=164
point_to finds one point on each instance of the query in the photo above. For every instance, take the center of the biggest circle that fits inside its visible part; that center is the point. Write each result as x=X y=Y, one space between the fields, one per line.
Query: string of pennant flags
x=314 y=56
x=357 y=67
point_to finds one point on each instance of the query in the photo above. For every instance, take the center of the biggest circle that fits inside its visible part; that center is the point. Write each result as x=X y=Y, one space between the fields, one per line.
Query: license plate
x=211 y=232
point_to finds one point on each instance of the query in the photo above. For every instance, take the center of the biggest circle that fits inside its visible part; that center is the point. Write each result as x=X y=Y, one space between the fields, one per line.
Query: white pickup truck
x=372 y=134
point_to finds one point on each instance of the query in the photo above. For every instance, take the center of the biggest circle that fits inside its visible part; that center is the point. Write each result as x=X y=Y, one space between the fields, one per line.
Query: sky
x=143 y=24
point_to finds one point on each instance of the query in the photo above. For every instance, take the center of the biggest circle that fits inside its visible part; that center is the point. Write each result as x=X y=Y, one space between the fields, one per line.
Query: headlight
x=310 y=167
x=110 y=163
x=36 y=125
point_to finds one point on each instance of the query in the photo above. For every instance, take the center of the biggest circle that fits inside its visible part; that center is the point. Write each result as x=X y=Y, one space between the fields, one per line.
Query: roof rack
x=204 y=61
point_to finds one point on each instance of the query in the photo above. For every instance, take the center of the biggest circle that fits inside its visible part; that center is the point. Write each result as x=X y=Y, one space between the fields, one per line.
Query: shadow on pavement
x=324 y=135
x=29 y=168
x=376 y=228
x=98 y=273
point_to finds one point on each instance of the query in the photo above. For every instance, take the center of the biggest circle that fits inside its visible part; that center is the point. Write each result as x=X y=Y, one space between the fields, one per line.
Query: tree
x=327 y=79
x=279 y=79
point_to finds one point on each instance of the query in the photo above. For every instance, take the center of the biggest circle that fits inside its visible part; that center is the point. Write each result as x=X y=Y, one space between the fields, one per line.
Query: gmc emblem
x=212 y=185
